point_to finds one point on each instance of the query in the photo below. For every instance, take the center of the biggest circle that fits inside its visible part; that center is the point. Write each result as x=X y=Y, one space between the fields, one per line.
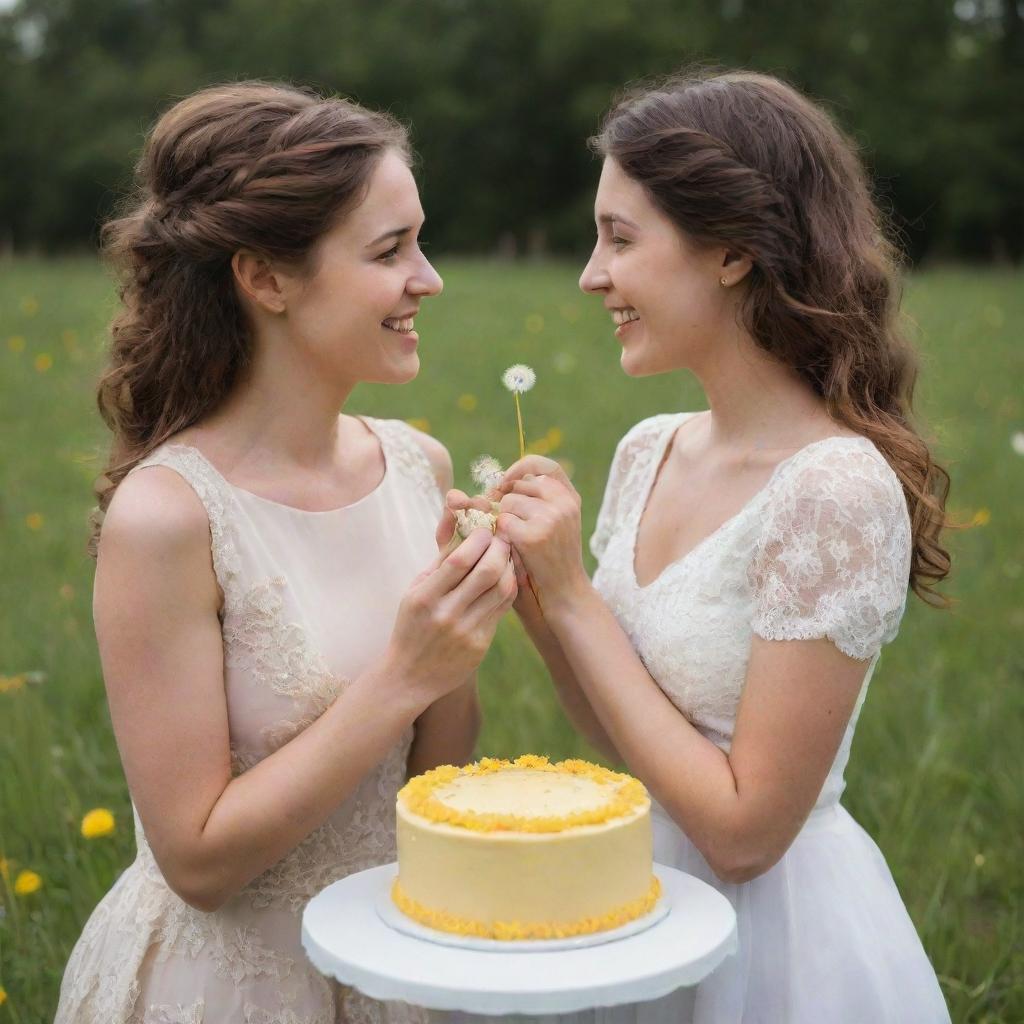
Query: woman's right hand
x=448 y=616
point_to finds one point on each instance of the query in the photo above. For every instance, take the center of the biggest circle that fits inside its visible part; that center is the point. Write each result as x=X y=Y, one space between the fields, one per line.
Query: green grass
x=936 y=774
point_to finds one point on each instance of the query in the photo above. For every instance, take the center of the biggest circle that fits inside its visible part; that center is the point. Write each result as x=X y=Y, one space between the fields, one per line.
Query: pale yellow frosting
x=524 y=849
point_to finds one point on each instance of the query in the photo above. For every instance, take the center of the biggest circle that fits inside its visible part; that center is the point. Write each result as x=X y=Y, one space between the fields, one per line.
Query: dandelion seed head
x=1017 y=442
x=486 y=472
x=519 y=378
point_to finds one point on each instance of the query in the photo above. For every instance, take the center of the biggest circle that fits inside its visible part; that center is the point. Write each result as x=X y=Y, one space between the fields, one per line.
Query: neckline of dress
x=378 y=487
x=658 y=453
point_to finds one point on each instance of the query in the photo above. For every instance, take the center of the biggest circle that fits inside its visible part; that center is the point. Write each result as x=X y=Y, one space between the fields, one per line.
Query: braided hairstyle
x=744 y=160
x=253 y=165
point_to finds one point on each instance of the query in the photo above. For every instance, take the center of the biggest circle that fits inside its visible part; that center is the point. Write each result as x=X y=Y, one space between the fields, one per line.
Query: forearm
x=688 y=775
x=571 y=696
x=446 y=733
x=263 y=814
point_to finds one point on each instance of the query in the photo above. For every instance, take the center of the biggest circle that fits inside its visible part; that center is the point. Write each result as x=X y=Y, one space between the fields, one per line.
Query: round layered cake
x=524 y=849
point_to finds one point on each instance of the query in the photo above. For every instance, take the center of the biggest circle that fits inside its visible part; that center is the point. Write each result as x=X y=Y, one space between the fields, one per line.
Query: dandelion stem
x=519 y=419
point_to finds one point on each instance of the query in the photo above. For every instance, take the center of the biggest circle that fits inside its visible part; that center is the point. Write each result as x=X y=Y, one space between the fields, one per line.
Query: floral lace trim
x=402 y=449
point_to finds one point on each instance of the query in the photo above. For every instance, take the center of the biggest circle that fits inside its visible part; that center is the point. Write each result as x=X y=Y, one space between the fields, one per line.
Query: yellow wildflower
x=30 y=305
x=27 y=883
x=979 y=860
x=34 y=521
x=982 y=517
x=5 y=868
x=8 y=684
x=16 y=343
x=3 y=995
x=98 y=822
x=535 y=323
x=467 y=403
x=420 y=424
x=70 y=339
x=43 y=362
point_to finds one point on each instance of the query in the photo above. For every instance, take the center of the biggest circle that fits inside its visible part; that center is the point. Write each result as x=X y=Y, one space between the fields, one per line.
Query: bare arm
x=161 y=649
x=743 y=809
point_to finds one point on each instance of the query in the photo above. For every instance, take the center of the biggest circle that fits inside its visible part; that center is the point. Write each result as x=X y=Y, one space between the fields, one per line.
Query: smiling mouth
x=623 y=318
x=399 y=326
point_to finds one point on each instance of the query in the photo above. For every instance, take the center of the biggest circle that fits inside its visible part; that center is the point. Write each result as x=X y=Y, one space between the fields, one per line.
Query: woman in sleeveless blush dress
x=753 y=559
x=274 y=670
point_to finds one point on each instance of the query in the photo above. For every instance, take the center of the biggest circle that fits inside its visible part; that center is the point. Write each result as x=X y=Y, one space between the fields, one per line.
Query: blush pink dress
x=310 y=600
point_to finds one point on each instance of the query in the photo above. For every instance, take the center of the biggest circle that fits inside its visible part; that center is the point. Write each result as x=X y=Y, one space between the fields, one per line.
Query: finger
x=546 y=488
x=496 y=600
x=445 y=532
x=483 y=576
x=536 y=465
x=522 y=506
x=456 y=499
x=451 y=570
x=522 y=576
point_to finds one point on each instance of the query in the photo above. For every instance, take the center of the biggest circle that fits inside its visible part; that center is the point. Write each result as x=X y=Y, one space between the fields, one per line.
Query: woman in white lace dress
x=281 y=642
x=755 y=557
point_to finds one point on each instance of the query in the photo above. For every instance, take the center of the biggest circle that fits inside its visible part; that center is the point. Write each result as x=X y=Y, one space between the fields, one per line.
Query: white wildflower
x=486 y=472
x=519 y=378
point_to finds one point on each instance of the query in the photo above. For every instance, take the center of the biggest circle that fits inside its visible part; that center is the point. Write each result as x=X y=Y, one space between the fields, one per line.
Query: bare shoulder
x=156 y=536
x=154 y=508
x=437 y=455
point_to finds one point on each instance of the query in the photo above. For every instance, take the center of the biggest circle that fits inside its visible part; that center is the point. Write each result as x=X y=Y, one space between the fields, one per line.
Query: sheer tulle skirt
x=824 y=938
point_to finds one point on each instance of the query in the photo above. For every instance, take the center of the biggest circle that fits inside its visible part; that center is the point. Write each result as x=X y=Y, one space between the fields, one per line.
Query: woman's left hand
x=540 y=518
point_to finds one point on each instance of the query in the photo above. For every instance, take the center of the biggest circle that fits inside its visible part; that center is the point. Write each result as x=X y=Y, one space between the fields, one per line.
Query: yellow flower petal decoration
x=98 y=822
x=27 y=883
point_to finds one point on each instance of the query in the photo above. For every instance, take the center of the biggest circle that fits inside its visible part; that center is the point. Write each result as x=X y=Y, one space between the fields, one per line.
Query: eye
x=619 y=242
x=390 y=254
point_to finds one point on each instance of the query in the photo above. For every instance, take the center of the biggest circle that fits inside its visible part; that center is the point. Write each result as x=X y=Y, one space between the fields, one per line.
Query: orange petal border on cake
x=510 y=931
x=418 y=796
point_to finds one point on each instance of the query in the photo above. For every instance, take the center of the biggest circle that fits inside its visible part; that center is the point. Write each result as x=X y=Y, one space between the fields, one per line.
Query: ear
x=258 y=280
x=734 y=267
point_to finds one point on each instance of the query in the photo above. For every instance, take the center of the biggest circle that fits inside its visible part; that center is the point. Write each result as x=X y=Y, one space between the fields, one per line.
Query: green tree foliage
x=501 y=95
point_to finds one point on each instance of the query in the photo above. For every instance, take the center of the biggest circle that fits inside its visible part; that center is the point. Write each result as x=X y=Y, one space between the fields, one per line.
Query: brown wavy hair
x=252 y=165
x=744 y=160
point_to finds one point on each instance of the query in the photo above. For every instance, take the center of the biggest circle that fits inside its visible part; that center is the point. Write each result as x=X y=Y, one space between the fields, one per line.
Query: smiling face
x=353 y=313
x=663 y=291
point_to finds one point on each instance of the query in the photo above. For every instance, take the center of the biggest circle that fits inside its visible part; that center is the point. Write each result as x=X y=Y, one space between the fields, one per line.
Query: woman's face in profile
x=354 y=315
x=661 y=289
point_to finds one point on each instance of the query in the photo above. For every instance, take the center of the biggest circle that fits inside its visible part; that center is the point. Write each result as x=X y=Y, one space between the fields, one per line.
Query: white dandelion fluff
x=1017 y=442
x=469 y=519
x=519 y=378
x=486 y=472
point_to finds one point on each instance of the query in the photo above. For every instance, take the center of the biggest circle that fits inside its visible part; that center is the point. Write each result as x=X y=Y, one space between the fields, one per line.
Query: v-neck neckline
x=654 y=466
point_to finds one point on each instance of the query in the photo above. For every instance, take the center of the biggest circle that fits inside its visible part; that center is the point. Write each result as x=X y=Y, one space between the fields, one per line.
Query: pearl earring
x=724 y=282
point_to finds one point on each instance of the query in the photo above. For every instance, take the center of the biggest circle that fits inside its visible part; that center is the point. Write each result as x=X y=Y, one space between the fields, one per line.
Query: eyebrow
x=607 y=218
x=393 y=233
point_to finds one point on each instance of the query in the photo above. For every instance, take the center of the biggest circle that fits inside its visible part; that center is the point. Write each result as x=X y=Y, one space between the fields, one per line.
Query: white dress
x=823 y=550
x=310 y=599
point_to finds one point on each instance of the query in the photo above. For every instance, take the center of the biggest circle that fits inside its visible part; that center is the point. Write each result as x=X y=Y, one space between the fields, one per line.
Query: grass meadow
x=937 y=772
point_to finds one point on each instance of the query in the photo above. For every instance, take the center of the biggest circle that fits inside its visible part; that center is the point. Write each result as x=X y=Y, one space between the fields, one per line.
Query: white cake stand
x=345 y=937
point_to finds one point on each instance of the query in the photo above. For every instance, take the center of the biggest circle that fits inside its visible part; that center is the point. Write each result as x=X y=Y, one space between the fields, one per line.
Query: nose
x=426 y=280
x=594 y=278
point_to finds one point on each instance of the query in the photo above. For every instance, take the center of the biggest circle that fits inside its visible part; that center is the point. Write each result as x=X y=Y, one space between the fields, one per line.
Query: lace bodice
x=822 y=550
x=309 y=601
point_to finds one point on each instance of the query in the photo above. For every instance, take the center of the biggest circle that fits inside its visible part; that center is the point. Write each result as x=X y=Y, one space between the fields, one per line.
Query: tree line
x=502 y=94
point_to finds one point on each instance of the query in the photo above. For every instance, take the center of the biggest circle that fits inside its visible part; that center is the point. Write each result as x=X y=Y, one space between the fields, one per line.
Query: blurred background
x=500 y=98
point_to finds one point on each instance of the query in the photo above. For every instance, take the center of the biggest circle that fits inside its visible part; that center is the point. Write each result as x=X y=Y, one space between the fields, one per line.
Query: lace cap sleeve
x=833 y=560
x=622 y=478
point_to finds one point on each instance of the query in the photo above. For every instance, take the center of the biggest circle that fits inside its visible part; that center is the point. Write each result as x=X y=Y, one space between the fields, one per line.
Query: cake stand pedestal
x=345 y=938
